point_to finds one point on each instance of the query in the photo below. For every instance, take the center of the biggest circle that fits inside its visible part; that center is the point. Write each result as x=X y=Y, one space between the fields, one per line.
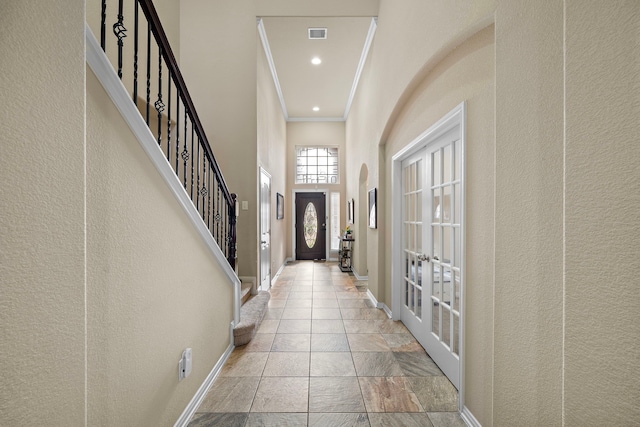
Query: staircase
x=151 y=76
x=245 y=291
x=149 y=71
x=254 y=307
x=251 y=315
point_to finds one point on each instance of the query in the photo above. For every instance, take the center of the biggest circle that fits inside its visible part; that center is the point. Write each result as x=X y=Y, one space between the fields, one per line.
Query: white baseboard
x=468 y=418
x=359 y=277
x=275 y=276
x=372 y=298
x=192 y=407
x=379 y=305
x=386 y=309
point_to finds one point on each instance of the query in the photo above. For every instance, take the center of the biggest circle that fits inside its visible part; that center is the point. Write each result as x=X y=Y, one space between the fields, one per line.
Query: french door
x=265 y=230
x=432 y=249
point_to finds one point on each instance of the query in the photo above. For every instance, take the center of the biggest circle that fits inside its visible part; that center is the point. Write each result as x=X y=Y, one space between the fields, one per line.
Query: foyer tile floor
x=324 y=356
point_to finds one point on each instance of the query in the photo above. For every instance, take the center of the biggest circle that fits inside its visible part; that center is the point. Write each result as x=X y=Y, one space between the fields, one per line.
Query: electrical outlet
x=185 y=364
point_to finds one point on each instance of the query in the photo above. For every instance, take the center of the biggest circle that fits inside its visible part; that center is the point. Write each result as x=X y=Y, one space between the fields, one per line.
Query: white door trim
x=456 y=117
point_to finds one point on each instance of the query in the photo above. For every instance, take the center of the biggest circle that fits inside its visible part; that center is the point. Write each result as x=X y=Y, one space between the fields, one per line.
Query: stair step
x=251 y=315
x=245 y=292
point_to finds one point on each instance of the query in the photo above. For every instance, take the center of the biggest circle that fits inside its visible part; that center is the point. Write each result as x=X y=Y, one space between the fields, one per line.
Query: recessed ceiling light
x=316 y=61
x=316 y=108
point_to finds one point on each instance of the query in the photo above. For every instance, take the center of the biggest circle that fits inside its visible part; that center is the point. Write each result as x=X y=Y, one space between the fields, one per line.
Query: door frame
x=455 y=117
x=293 y=222
x=262 y=171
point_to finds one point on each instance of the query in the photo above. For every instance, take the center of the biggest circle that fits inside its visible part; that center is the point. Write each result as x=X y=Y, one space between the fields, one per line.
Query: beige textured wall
x=544 y=167
x=427 y=32
x=362 y=159
x=42 y=246
x=313 y=133
x=602 y=207
x=465 y=75
x=529 y=169
x=222 y=82
x=153 y=288
x=298 y=8
x=272 y=146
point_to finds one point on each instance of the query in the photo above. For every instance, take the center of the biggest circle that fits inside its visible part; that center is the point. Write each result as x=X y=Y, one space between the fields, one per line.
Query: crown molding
x=272 y=66
x=363 y=59
x=316 y=119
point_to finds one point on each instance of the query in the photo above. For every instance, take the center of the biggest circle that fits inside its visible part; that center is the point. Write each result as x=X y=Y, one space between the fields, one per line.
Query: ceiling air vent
x=317 y=33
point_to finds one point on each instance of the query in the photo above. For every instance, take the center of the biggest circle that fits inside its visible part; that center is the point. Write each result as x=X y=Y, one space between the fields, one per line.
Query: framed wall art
x=279 y=206
x=373 y=222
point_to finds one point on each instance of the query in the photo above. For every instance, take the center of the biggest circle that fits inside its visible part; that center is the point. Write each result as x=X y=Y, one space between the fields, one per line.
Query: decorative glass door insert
x=310 y=225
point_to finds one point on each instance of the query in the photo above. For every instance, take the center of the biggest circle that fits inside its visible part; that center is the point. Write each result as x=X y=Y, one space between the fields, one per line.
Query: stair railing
x=173 y=119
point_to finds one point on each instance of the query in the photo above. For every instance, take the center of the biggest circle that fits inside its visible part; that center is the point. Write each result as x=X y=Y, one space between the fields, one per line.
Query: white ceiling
x=329 y=85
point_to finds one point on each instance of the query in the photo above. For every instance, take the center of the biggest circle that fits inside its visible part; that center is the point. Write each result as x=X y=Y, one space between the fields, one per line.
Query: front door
x=265 y=230
x=311 y=226
x=432 y=249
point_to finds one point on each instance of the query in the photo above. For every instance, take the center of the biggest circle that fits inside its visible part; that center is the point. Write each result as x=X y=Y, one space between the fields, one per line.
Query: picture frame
x=373 y=196
x=279 y=206
x=350 y=211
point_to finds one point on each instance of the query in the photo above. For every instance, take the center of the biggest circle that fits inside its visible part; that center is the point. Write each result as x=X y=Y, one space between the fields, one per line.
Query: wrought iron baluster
x=192 y=159
x=103 y=26
x=169 y=117
x=205 y=185
x=215 y=209
x=218 y=216
x=159 y=104
x=136 y=34
x=209 y=197
x=198 y=181
x=228 y=228
x=148 y=71
x=178 y=133
x=232 y=232
x=204 y=189
x=121 y=32
x=185 y=152
x=225 y=232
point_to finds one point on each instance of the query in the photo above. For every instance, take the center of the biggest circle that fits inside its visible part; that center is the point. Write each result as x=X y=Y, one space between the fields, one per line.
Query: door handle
x=264 y=242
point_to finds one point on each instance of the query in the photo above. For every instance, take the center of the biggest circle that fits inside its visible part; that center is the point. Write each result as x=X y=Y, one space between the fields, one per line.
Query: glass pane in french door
x=445 y=188
x=413 y=229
